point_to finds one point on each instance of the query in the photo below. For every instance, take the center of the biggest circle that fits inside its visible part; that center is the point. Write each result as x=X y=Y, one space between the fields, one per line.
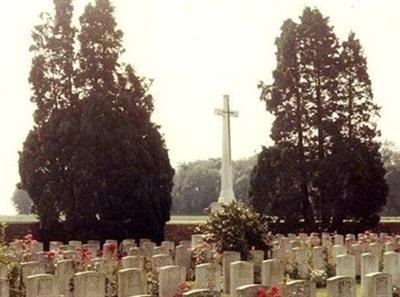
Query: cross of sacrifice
x=227 y=195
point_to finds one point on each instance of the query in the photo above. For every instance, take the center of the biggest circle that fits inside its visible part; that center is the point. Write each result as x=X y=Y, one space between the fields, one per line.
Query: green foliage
x=325 y=154
x=392 y=208
x=319 y=277
x=94 y=164
x=236 y=227
x=275 y=185
x=22 y=201
x=197 y=184
x=390 y=155
x=391 y=160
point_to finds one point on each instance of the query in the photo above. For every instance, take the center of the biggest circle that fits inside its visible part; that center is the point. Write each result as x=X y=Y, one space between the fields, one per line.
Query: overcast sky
x=196 y=51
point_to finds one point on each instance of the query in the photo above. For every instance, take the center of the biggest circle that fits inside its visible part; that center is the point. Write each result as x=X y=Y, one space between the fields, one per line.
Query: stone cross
x=226 y=194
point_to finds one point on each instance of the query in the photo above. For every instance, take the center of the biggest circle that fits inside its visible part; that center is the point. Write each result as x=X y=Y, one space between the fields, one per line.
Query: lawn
x=322 y=292
x=175 y=219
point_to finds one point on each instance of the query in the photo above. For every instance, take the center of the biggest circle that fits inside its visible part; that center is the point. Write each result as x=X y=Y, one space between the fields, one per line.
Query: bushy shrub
x=236 y=227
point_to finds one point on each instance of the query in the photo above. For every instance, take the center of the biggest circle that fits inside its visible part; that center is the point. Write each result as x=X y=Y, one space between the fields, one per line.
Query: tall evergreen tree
x=285 y=101
x=323 y=106
x=95 y=162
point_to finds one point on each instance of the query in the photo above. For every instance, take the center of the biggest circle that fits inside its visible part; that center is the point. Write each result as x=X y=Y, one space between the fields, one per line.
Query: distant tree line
x=197 y=184
x=391 y=159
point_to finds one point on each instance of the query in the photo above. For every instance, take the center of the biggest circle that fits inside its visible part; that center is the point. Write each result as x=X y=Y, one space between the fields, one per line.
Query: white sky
x=197 y=50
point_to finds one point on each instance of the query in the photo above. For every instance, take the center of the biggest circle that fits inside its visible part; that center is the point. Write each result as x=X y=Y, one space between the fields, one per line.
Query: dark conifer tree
x=323 y=106
x=95 y=162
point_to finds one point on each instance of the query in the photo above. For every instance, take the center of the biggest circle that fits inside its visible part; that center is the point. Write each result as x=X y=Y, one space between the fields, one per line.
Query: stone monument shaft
x=227 y=195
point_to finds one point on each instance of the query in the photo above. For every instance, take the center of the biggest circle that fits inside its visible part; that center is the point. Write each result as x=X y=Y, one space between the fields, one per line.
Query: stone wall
x=173 y=231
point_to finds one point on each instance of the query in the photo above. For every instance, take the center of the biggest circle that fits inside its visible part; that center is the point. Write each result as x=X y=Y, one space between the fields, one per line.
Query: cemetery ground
x=234 y=257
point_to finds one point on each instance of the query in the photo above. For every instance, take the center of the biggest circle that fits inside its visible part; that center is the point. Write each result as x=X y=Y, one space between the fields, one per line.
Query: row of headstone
x=235 y=273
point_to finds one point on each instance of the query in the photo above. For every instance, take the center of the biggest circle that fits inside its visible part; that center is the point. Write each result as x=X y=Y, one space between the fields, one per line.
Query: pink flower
x=261 y=292
x=110 y=247
x=28 y=237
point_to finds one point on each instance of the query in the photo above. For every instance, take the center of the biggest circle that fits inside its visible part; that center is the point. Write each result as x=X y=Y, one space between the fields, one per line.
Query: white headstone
x=4 y=287
x=337 y=250
x=389 y=246
x=391 y=265
x=301 y=261
x=41 y=285
x=148 y=247
x=89 y=283
x=296 y=288
x=132 y=262
x=161 y=260
x=208 y=276
x=135 y=251
x=183 y=256
x=143 y=240
x=376 y=249
x=249 y=290
x=55 y=245
x=369 y=264
x=379 y=284
x=3 y=271
x=272 y=273
x=241 y=273
x=228 y=257
x=95 y=243
x=256 y=257
x=169 y=245
x=356 y=251
x=131 y=281
x=32 y=268
x=341 y=286
x=170 y=278
x=202 y=293
x=197 y=239
x=318 y=261
x=346 y=265
x=64 y=276
x=338 y=239
x=75 y=243
x=160 y=250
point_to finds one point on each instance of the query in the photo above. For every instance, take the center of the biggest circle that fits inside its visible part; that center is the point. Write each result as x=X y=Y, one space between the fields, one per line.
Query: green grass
x=187 y=220
x=21 y=219
x=322 y=292
x=29 y=219
x=175 y=219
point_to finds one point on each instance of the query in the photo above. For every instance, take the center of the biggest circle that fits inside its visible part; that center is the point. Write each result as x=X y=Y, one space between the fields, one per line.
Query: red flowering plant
x=83 y=260
x=12 y=255
x=272 y=292
x=183 y=287
x=24 y=247
x=99 y=253
x=109 y=265
x=202 y=253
